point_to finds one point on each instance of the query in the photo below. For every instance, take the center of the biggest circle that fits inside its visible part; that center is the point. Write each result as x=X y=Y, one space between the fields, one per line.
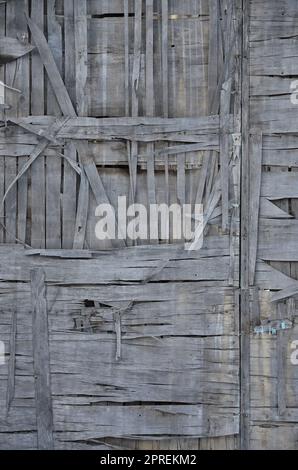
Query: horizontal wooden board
x=79 y=423
x=278 y=239
x=273 y=57
x=139 y=129
x=279 y=185
x=115 y=267
x=175 y=7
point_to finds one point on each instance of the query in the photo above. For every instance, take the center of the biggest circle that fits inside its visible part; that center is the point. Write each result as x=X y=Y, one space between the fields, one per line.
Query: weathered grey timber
x=121 y=344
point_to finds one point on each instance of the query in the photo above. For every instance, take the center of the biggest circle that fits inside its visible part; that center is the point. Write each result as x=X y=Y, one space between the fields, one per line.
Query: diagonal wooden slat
x=67 y=109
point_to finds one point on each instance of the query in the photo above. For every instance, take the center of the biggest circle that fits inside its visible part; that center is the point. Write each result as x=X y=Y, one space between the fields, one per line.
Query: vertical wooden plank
x=181 y=182
x=126 y=57
x=41 y=359
x=82 y=210
x=244 y=270
x=53 y=163
x=213 y=71
x=165 y=80
x=38 y=207
x=11 y=200
x=2 y=159
x=80 y=24
x=24 y=109
x=12 y=361
x=69 y=42
x=151 y=191
x=55 y=45
x=150 y=105
x=181 y=178
x=17 y=76
x=255 y=175
x=80 y=21
x=127 y=101
x=164 y=57
x=69 y=178
x=135 y=87
x=225 y=100
x=255 y=316
x=137 y=56
x=281 y=353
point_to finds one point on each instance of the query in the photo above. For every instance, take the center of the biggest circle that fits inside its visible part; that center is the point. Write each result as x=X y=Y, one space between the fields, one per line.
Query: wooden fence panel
x=139 y=99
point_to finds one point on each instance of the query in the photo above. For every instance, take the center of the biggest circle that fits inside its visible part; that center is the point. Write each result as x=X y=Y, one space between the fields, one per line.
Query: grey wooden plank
x=21 y=441
x=69 y=205
x=81 y=219
x=182 y=266
x=181 y=181
x=213 y=66
x=112 y=153
x=277 y=239
x=17 y=75
x=135 y=88
x=225 y=101
x=149 y=59
x=165 y=81
x=53 y=164
x=11 y=202
x=139 y=357
x=164 y=58
x=281 y=352
x=137 y=55
x=54 y=40
x=81 y=56
x=255 y=169
x=64 y=253
x=126 y=53
x=73 y=380
x=269 y=414
x=80 y=20
x=255 y=306
x=150 y=106
x=12 y=362
x=2 y=160
x=279 y=185
x=144 y=422
x=244 y=242
x=69 y=59
x=142 y=129
x=40 y=336
x=69 y=178
x=131 y=128
x=38 y=208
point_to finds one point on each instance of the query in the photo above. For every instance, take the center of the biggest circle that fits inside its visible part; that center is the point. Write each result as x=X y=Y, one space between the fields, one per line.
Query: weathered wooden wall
x=114 y=346
x=272 y=129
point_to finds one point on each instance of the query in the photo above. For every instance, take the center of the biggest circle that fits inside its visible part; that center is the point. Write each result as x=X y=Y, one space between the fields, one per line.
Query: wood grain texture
x=40 y=337
x=156 y=93
x=255 y=175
